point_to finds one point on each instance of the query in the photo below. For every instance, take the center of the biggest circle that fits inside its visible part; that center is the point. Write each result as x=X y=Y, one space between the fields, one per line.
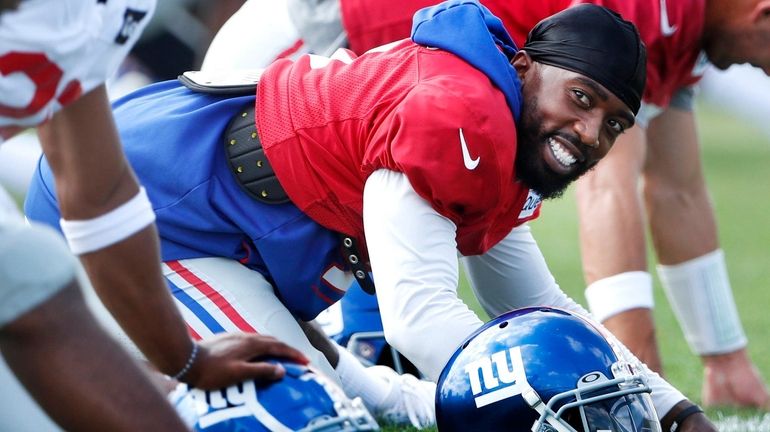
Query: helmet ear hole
x=504 y=324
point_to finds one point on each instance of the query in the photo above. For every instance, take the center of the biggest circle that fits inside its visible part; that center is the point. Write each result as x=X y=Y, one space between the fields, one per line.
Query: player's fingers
x=271 y=347
x=262 y=371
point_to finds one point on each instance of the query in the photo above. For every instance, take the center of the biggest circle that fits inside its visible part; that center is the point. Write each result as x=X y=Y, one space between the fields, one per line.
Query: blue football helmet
x=542 y=370
x=303 y=400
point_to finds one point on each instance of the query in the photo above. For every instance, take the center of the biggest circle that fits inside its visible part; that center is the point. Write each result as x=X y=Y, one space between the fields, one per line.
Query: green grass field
x=736 y=160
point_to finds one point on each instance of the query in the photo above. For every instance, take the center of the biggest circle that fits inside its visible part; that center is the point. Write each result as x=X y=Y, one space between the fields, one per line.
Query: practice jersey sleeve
x=415 y=268
x=54 y=51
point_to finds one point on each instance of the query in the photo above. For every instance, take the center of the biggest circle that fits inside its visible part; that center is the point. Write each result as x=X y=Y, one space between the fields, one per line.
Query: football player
x=54 y=59
x=412 y=151
x=663 y=150
x=681 y=35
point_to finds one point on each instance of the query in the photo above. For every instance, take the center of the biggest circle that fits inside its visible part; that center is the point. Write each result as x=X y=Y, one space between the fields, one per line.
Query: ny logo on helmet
x=233 y=402
x=497 y=377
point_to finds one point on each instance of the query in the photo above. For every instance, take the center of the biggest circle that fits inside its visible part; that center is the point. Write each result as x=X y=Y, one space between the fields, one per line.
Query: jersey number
x=44 y=74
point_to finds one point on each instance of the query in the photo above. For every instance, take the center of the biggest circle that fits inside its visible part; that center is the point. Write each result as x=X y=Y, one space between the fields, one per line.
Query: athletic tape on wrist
x=618 y=293
x=702 y=300
x=112 y=227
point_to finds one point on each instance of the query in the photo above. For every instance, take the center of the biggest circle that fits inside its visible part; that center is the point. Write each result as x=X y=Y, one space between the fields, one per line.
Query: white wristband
x=618 y=293
x=702 y=300
x=112 y=227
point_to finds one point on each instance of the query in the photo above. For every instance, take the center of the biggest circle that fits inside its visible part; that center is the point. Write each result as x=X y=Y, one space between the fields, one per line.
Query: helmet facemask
x=598 y=404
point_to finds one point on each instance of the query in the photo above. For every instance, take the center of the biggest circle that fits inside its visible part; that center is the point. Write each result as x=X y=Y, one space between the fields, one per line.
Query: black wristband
x=687 y=412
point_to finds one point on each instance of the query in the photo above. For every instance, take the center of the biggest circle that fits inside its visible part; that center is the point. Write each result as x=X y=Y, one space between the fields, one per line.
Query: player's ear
x=523 y=63
x=761 y=12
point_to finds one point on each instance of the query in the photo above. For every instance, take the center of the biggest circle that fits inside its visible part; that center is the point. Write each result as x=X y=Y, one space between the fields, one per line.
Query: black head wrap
x=596 y=42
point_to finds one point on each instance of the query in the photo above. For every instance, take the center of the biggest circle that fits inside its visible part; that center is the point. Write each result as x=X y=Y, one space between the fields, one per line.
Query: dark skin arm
x=694 y=423
x=73 y=368
x=92 y=178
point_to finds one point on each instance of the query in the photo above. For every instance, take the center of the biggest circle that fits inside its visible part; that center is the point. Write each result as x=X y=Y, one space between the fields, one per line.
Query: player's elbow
x=407 y=342
x=398 y=336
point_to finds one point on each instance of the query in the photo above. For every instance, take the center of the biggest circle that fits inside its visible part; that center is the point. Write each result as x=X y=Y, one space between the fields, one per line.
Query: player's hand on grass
x=733 y=380
x=228 y=358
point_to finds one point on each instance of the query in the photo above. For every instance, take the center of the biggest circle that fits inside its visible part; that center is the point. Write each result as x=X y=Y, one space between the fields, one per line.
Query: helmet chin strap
x=550 y=420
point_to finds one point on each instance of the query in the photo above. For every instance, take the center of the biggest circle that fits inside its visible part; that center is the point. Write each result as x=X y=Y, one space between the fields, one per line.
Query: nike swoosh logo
x=471 y=164
x=665 y=28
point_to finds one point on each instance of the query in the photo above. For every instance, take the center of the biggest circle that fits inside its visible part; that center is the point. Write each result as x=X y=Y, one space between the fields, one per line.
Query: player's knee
x=35 y=264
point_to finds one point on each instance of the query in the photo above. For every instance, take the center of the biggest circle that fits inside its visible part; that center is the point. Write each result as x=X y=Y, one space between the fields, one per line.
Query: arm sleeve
x=513 y=274
x=413 y=254
x=683 y=99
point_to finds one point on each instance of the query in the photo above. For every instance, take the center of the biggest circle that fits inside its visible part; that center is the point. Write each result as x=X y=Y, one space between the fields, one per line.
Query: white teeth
x=562 y=155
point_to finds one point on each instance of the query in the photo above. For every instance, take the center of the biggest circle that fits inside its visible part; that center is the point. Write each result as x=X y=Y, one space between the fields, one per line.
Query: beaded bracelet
x=193 y=355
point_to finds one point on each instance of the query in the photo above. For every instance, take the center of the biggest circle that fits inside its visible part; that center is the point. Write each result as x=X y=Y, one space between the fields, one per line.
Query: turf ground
x=737 y=165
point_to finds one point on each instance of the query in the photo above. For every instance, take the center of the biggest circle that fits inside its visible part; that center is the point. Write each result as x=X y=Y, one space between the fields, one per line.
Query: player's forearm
x=414 y=261
x=127 y=278
x=73 y=369
x=93 y=179
x=610 y=209
x=679 y=209
x=83 y=149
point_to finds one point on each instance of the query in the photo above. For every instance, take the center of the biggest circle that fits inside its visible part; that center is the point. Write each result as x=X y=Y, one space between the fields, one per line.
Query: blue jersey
x=173 y=138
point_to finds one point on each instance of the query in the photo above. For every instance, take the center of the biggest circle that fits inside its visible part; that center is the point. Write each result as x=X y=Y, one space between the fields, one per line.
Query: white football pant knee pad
x=702 y=300
x=34 y=265
x=619 y=293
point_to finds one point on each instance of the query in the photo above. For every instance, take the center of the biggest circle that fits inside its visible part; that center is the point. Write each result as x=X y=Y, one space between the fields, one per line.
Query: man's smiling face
x=568 y=123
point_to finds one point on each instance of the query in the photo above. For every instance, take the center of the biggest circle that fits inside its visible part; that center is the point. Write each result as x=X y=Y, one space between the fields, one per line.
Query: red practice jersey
x=327 y=124
x=671 y=30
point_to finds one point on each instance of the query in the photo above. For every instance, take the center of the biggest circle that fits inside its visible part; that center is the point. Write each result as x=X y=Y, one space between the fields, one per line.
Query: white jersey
x=54 y=51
